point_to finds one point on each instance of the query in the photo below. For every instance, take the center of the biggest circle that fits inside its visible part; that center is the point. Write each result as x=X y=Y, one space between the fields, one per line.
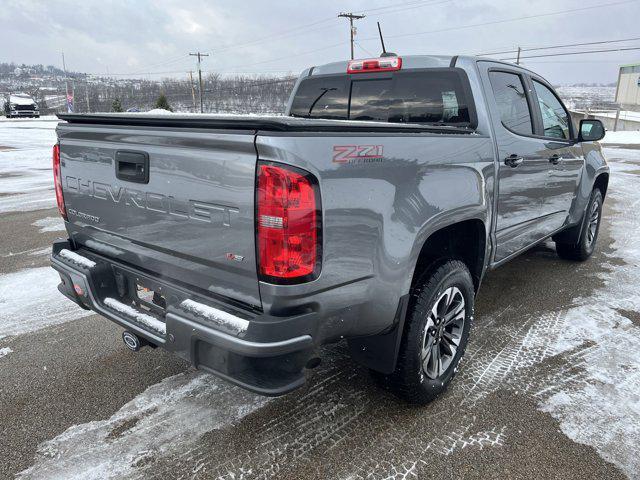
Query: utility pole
x=193 y=89
x=86 y=93
x=199 y=55
x=518 y=57
x=352 y=29
x=68 y=99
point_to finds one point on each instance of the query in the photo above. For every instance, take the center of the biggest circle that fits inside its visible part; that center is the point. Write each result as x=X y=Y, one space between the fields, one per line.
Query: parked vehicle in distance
x=20 y=105
x=370 y=212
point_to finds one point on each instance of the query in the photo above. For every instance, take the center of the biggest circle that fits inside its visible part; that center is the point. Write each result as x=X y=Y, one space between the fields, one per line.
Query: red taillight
x=57 y=181
x=383 y=64
x=288 y=223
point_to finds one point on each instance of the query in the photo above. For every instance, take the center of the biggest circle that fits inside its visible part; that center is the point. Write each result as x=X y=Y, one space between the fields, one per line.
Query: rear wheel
x=435 y=334
x=588 y=235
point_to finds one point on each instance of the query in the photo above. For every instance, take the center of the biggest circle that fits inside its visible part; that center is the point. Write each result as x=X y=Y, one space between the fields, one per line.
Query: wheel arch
x=464 y=240
x=602 y=183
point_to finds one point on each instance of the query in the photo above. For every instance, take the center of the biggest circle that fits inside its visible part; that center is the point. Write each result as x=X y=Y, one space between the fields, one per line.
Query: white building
x=628 y=89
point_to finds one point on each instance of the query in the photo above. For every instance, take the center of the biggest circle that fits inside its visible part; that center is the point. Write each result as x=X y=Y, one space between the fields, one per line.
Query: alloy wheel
x=443 y=332
x=594 y=219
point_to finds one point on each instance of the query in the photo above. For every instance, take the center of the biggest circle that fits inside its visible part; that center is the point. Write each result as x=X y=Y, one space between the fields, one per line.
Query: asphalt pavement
x=528 y=401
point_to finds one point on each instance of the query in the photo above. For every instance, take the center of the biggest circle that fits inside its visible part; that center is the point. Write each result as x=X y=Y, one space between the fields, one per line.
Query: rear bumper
x=258 y=352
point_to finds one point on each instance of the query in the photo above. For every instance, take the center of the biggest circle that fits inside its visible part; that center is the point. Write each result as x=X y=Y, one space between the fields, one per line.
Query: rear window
x=435 y=97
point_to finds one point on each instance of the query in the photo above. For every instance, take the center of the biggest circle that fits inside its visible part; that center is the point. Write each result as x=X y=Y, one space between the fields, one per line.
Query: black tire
x=410 y=380
x=588 y=234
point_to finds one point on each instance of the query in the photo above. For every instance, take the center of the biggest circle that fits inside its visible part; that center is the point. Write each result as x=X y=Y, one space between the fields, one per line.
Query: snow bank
x=146 y=320
x=159 y=111
x=30 y=300
x=233 y=323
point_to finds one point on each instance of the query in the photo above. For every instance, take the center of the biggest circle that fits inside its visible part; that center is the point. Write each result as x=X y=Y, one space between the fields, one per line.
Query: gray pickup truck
x=369 y=212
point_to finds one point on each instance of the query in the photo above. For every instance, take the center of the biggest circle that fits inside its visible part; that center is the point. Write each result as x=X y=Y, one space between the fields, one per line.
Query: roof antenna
x=384 y=50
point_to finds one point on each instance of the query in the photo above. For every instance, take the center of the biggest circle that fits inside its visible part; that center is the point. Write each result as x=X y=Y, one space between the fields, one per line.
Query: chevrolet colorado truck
x=369 y=212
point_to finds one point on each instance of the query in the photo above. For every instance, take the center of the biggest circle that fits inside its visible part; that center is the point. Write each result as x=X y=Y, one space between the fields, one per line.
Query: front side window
x=555 y=119
x=511 y=98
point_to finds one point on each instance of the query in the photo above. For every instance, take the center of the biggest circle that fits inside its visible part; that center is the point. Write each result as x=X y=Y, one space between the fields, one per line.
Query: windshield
x=436 y=97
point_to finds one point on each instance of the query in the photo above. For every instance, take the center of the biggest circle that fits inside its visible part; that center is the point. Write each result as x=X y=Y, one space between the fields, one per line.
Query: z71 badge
x=357 y=153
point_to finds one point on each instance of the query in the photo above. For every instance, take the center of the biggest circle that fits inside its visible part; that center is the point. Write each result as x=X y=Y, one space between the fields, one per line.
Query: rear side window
x=437 y=97
x=323 y=97
x=555 y=119
x=511 y=98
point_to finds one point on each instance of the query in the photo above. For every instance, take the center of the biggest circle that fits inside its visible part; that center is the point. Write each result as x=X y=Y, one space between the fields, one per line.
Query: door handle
x=132 y=166
x=555 y=159
x=513 y=160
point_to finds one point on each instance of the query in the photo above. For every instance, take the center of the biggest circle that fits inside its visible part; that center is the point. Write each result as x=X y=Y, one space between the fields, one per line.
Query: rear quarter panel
x=594 y=165
x=377 y=213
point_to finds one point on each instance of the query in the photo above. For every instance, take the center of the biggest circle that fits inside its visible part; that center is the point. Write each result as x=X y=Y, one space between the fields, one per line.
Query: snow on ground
x=5 y=351
x=50 y=224
x=603 y=410
x=587 y=97
x=621 y=138
x=629 y=115
x=166 y=418
x=25 y=164
x=31 y=251
x=30 y=300
x=592 y=386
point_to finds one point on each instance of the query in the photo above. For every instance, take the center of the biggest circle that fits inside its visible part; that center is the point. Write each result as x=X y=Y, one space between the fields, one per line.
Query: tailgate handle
x=132 y=166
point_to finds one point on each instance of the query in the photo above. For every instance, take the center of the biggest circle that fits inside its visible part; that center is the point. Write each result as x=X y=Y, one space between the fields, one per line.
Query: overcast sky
x=153 y=38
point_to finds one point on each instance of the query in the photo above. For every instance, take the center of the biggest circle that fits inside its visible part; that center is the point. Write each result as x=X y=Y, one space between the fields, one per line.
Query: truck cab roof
x=413 y=62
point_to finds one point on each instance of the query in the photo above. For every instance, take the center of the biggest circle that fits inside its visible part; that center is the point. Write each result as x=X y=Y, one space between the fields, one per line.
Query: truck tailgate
x=178 y=203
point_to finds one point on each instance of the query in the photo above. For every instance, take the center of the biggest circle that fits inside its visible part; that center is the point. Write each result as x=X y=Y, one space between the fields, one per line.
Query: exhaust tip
x=132 y=341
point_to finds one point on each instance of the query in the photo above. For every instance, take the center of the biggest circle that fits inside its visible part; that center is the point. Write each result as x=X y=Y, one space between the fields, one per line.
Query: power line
x=563 y=46
x=507 y=20
x=365 y=50
x=301 y=29
x=351 y=17
x=304 y=29
x=404 y=6
x=411 y=6
x=391 y=36
x=574 y=53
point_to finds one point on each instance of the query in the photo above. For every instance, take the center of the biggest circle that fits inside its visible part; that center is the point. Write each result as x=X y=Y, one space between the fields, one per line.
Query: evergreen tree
x=116 y=106
x=163 y=103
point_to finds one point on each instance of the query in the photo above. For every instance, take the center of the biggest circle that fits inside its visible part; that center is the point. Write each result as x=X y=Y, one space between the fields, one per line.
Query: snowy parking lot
x=550 y=383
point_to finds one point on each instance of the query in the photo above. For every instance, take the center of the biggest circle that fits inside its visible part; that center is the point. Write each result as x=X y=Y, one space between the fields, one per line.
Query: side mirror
x=591 y=130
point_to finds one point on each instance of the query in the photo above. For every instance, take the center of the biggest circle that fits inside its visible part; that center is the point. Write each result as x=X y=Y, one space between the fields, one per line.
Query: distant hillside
x=26 y=70
x=238 y=94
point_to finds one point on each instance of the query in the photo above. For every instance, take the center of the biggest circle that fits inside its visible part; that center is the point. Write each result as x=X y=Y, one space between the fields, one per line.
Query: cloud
x=253 y=35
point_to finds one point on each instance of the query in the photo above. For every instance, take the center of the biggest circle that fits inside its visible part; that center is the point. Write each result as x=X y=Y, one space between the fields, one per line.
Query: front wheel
x=435 y=334
x=589 y=233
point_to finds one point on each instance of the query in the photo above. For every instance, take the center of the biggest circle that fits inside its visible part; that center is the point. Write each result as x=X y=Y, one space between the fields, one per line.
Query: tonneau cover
x=253 y=122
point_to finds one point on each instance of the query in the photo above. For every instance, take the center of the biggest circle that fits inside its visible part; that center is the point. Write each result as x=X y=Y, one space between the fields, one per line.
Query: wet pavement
x=549 y=386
